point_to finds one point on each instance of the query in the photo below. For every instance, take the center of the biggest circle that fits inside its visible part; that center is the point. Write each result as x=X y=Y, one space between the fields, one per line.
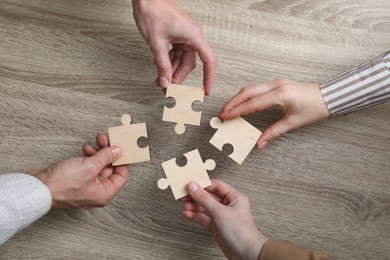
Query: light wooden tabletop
x=69 y=69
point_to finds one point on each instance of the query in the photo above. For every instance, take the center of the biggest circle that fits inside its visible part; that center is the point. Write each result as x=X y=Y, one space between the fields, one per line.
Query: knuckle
x=154 y=45
x=253 y=104
x=163 y=66
x=103 y=201
x=285 y=91
x=197 y=29
x=192 y=65
x=274 y=132
x=213 y=60
x=245 y=90
x=244 y=197
x=245 y=200
x=98 y=165
x=90 y=166
x=281 y=81
x=202 y=195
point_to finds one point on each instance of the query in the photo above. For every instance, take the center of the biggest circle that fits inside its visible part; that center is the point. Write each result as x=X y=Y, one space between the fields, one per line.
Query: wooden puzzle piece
x=126 y=136
x=178 y=177
x=237 y=132
x=182 y=113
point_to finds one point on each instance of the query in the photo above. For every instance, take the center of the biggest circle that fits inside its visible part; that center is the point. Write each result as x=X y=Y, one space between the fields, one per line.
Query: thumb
x=104 y=157
x=274 y=131
x=164 y=66
x=203 y=198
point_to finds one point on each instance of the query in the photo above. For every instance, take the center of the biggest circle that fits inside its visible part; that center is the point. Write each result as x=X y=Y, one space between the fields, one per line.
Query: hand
x=162 y=23
x=302 y=102
x=226 y=214
x=85 y=181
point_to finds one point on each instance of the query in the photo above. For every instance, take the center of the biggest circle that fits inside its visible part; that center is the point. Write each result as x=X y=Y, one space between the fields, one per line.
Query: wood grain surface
x=69 y=69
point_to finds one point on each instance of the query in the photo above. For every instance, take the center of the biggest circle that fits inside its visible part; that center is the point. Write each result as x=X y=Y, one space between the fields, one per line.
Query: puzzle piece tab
x=237 y=132
x=178 y=177
x=182 y=113
x=126 y=136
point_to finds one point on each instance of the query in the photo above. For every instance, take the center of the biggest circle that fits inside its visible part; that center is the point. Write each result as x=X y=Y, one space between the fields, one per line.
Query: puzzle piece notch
x=180 y=128
x=126 y=136
x=178 y=177
x=182 y=113
x=237 y=132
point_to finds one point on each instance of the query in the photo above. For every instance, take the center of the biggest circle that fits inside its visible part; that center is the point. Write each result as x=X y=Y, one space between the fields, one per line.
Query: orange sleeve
x=281 y=250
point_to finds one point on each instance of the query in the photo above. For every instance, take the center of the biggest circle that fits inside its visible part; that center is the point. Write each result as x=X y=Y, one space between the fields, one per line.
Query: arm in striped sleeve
x=363 y=86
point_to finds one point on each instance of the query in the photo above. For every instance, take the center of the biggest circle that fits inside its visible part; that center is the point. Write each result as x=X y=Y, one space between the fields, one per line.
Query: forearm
x=363 y=86
x=281 y=250
x=23 y=200
x=141 y=6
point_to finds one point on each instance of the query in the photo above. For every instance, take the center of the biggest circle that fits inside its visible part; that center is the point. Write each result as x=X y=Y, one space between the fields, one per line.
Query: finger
x=157 y=84
x=200 y=218
x=274 y=131
x=171 y=54
x=189 y=199
x=89 y=150
x=222 y=190
x=187 y=64
x=163 y=63
x=247 y=93
x=106 y=172
x=116 y=181
x=102 y=141
x=257 y=103
x=186 y=199
x=175 y=61
x=193 y=206
x=102 y=158
x=203 y=198
x=209 y=64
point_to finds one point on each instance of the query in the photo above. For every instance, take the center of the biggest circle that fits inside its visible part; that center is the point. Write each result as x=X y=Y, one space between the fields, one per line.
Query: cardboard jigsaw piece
x=182 y=113
x=237 y=132
x=126 y=136
x=178 y=177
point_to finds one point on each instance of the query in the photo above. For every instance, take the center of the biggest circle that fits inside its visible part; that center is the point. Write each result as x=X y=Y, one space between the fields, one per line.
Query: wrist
x=324 y=110
x=44 y=176
x=257 y=246
x=139 y=5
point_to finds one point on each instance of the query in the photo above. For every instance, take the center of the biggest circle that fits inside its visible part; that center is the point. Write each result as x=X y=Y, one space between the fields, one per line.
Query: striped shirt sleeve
x=363 y=86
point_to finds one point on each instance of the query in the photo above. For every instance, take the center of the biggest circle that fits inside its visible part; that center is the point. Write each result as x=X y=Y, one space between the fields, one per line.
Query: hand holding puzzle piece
x=182 y=113
x=126 y=136
x=178 y=177
x=237 y=132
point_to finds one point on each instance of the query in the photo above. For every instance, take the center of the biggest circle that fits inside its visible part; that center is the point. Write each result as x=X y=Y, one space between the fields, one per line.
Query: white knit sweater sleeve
x=23 y=200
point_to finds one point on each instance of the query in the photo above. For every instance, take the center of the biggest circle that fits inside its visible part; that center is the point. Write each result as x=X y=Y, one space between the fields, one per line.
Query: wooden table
x=69 y=69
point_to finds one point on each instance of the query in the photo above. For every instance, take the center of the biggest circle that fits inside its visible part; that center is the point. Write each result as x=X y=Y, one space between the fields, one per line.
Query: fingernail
x=164 y=82
x=262 y=145
x=116 y=151
x=225 y=113
x=193 y=186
